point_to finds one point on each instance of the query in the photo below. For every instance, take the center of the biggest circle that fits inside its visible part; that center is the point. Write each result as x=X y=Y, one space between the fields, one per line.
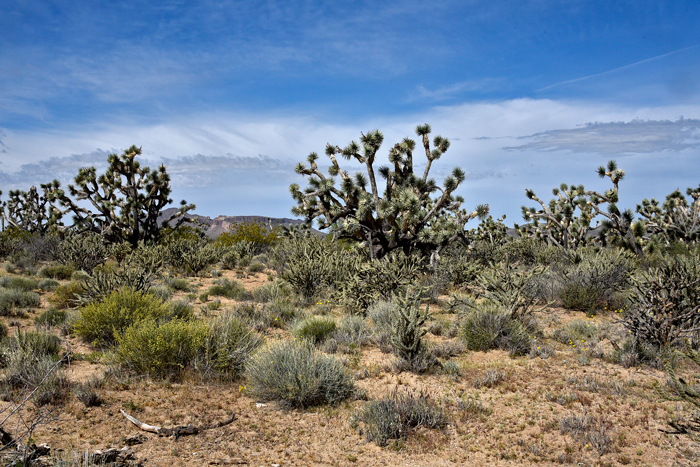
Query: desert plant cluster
x=398 y=335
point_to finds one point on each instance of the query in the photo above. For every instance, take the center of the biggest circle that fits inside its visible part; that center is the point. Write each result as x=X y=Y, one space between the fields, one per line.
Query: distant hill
x=221 y=224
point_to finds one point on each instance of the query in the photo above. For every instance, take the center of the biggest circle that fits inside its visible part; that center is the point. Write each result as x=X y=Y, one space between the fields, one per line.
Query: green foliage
x=57 y=271
x=408 y=330
x=160 y=350
x=395 y=416
x=12 y=299
x=368 y=282
x=272 y=291
x=594 y=278
x=127 y=200
x=101 y=323
x=403 y=216
x=310 y=263
x=296 y=375
x=314 y=329
x=51 y=317
x=256 y=234
x=675 y=220
x=67 y=295
x=83 y=251
x=31 y=212
x=666 y=302
x=235 y=253
x=255 y=268
x=577 y=330
x=48 y=285
x=23 y=284
x=178 y=285
x=229 y=344
x=227 y=288
x=491 y=327
x=193 y=253
x=507 y=285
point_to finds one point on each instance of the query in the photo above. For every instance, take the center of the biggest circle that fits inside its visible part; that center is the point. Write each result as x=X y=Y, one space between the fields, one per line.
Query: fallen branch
x=177 y=431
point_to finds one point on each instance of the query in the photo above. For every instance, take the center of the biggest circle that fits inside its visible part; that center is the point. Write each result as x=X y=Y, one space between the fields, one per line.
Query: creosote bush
x=395 y=416
x=100 y=323
x=295 y=374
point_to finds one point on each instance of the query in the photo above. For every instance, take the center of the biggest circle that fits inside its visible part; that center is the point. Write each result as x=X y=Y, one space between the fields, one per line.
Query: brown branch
x=182 y=430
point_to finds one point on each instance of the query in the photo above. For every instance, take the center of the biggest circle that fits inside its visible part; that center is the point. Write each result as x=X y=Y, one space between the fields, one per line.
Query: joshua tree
x=127 y=199
x=675 y=220
x=403 y=216
x=31 y=211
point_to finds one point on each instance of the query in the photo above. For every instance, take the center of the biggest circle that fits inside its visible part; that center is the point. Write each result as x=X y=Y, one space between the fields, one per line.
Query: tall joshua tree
x=126 y=199
x=402 y=214
x=31 y=210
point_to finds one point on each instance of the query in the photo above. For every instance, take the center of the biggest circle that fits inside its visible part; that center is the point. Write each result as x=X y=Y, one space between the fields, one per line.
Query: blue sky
x=230 y=95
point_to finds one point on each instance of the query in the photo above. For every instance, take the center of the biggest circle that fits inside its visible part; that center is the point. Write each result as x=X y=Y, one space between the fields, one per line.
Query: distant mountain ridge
x=221 y=224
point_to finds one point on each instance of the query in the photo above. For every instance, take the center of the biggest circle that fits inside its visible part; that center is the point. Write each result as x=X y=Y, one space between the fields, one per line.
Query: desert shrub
x=296 y=375
x=3 y=330
x=57 y=271
x=586 y=429
x=11 y=299
x=51 y=317
x=634 y=352
x=665 y=304
x=395 y=416
x=352 y=332
x=527 y=251
x=191 y=252
x=452 y=368
x=109 y=277
x=48 y=285
x=163 y=293
x=576 y=331
x=227 y=288
x=100 y=323
x=490 y=327
x=83 y=251
x=314 y=328
x=19 y=283
x=272 y=291
x=66 y=295
x=178 y=285
x=228 y=345
x=181 y=310
x=255 y=268
x=233 y=254
x=256 y=234
x=36 y=343
x=24 y=371
x=491 y=378
x=160 y=350
x=88 y=393
x=594 y=277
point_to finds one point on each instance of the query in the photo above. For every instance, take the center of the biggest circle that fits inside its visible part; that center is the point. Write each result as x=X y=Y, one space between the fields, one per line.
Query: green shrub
x=24 y=371
x=48 y=285
x=66 y=295
x=227 y=288
x=160 y=351
x=296 y=375
x=255 y=268
x=178 y=285
x=351 y=333
x=395 y=416
x=19 y=283
x=57 y=271
x=87 y=393
x=83 y=251
x=581 y=297
x=489 y=327
x=36 y=343
x=100 y=323
x=229 y=344
x=10 y=299
x=575 y=331
x=51 y=317
x=254 y=233
x=314 y=328
x=272 y=291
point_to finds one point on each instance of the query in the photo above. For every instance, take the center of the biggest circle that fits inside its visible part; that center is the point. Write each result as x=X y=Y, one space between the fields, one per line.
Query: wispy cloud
x=618 y=138
x=447 y=92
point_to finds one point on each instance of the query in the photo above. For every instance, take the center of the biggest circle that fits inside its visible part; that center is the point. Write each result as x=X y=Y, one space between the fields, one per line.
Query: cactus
x=408 y=331
x=404 y=216
x=126 y=199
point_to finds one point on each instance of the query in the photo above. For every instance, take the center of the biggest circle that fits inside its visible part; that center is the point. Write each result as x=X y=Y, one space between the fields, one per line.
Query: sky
x=230 y=95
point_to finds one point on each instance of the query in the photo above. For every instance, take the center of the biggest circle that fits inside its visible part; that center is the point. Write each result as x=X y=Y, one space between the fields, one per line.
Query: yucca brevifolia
x=564 y=221
x=403 y=216
x=126 y=199
x=619 y=225
x=31 y=211
x=675 y=220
